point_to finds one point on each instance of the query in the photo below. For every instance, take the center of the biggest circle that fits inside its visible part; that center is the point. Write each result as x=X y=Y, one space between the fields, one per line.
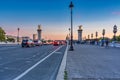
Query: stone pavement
x=89 y=62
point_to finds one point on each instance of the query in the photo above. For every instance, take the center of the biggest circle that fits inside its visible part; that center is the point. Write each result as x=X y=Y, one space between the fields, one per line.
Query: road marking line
x=58 y=52
x=28 y=70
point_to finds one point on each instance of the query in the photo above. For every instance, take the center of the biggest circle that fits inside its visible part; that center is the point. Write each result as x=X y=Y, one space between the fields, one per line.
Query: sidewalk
x=89 y=62
x=3 y=44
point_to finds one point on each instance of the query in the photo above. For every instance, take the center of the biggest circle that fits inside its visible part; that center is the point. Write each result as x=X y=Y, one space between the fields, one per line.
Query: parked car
x=55 y=43
x=27 y=43
x=37 y=42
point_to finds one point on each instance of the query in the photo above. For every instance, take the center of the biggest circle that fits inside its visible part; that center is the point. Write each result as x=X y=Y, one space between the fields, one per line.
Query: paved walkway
x=89 y=62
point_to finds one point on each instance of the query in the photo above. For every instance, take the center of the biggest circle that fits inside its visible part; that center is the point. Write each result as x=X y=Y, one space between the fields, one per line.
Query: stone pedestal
x=39 y=30
x=80 y=33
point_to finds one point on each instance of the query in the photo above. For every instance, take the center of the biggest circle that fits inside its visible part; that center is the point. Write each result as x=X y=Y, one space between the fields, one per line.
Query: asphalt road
x=35 y=63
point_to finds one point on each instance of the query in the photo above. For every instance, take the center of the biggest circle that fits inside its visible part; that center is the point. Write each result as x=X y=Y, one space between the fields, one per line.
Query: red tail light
x=27 y=43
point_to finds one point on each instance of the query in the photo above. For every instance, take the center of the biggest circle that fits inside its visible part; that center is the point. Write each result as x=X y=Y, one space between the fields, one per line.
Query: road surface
x=35 y=63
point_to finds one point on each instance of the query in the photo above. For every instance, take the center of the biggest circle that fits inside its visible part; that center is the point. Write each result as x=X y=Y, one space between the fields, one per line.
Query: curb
x=8 y=45
x=60 y=75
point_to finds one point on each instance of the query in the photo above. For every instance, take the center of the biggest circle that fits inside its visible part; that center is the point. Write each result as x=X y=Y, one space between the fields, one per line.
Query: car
x=37 y=42
x=62 y=42
x=27 y=43
x=55 y=43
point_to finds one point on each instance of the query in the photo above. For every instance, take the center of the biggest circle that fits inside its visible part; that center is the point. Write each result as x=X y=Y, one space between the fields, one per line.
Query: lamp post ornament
x=103 y=33
x=114 y=31
x=88 y=36
x=96 y=34
x=92 y=36
x=69 y=32
x=18 y=34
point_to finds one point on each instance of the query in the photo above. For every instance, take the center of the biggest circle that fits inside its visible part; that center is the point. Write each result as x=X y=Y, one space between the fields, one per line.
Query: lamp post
x=103 y=33
x=88 y=37
x=18 y=35
x=71 y=43
x=69 y=36
x=114 y=31
x=96 y=34
x=69 y=32
x=92 y=36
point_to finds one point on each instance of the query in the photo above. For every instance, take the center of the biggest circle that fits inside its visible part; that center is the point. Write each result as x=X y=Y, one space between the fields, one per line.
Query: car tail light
x=27 y=43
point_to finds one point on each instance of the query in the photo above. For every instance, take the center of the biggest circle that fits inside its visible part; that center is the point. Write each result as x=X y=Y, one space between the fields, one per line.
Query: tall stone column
x=80 y=33
x=39 y=30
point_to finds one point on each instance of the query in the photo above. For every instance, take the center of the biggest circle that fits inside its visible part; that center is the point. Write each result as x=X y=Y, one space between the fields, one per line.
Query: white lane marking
x=58 y=52
x=28 y=70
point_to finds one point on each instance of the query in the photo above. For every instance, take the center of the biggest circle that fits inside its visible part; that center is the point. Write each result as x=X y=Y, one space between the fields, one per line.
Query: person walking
x=107 y=42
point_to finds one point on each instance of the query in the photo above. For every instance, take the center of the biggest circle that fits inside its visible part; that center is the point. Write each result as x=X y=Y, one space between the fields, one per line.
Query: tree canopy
x=118 y=38
x=2 y=34
x=10 y=39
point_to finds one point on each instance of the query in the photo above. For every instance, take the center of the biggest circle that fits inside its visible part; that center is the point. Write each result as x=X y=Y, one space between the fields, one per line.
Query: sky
x=54 y=17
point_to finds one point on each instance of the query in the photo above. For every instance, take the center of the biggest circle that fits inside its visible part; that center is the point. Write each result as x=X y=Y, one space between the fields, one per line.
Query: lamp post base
x=71 y=48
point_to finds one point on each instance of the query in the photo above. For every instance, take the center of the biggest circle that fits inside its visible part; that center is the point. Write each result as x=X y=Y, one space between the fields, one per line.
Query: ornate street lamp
x=18 y=35
x=103 y=33
x=114 y=31
x=69 y=32
x=71 y=43
x=96 y=34
x=92 y=36
x=88 y=37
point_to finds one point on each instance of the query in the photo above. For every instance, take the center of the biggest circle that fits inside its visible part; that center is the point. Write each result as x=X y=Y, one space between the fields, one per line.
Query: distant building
x=39 y=30
x=80 y=33
x=14 y=37
x=34 y=36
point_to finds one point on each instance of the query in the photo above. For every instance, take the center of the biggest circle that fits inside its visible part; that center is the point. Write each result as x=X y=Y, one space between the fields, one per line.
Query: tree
x=2 y=34
x=10 y=39
x=118 y=38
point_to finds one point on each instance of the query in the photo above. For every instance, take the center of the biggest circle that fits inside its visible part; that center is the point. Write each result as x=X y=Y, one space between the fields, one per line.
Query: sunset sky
x=54 y=17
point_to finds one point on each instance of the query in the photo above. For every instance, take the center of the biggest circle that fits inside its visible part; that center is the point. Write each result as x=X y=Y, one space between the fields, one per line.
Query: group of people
x=106 y=42
x=103 y=42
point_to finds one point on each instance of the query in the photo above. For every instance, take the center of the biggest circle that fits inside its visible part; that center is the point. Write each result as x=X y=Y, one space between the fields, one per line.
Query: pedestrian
x=107 y=42
x=102 y=42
